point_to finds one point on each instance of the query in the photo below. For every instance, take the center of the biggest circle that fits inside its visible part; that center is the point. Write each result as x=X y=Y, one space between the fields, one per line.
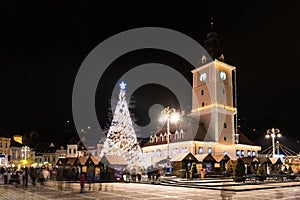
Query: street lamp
x=169 y=115
x=273 y=133
x=24 y=150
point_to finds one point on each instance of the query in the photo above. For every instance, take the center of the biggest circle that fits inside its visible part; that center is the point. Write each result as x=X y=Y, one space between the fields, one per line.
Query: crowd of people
x=27 y=175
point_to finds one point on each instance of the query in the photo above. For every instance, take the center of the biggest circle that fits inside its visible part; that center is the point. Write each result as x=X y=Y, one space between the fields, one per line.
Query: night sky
x=44 y=43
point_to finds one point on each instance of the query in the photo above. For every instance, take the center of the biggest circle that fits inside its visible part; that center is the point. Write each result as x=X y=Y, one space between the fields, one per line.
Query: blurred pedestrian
x=41 y=177
x=82 y=182
x=33 y=175
x=101 y=179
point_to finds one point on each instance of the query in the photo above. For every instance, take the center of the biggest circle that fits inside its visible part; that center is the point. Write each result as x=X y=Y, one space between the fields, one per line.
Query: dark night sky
x=44 y=43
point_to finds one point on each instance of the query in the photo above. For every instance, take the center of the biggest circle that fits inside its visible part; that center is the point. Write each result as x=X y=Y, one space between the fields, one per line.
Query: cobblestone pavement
x=134 y=191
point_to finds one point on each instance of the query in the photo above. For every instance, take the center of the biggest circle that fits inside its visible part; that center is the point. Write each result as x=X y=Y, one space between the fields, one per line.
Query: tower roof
x=212 y=44
x=243 y=139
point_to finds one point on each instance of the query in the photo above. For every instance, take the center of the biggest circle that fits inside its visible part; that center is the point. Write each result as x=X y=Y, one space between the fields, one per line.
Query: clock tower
x=214 y=96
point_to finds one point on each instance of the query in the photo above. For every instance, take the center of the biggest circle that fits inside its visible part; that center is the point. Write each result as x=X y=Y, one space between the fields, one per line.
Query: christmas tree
x=121 y=138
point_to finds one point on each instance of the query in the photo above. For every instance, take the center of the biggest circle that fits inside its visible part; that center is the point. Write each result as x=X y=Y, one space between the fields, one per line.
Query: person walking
x=82 y=182
x=41 y=177
x=33 y=175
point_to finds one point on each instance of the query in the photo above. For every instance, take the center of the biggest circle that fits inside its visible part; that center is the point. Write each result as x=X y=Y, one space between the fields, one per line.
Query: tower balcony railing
x=229 y=108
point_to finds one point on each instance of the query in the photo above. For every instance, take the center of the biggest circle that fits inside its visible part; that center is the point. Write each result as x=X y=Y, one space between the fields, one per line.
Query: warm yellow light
x=278 y=135
x=267 y=136
x=214 y=106
x=174 y=117
x=163 y=118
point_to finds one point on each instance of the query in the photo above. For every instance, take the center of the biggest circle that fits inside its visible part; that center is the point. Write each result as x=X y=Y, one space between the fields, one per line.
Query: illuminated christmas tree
x=121 y=138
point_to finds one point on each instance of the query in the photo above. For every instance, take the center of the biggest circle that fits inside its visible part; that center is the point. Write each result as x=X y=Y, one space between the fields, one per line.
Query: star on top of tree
x=122 y=85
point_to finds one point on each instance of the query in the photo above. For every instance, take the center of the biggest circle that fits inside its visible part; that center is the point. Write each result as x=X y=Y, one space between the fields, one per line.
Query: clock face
x=223 y=75
x=202 y=77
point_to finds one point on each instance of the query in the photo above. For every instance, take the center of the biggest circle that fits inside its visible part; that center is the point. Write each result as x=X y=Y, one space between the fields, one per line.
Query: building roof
x=95 y=159
x=71 y=161
x=113 y=160
x=243 y=139
x=201 y=157
x=275 y=161
x=83 y=159
x=74 y=140
x=192 y=130
x=45 y=147
x=264 y=160
x=248 y=160
x=181 y=156
x=13 y=143
x=61 y=161
x=220 y=157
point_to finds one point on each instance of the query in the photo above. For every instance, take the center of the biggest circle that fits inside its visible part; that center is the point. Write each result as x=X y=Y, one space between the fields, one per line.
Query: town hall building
x=211 y=126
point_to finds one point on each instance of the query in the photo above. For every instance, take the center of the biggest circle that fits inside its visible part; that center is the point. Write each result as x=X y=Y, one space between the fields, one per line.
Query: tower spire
x=212 y=43
x=211 y=24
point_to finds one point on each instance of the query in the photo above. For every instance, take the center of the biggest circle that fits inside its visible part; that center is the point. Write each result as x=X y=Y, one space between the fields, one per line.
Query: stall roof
x=219 y=158
x=181 y=156
x=113 y=160
x=82 y=160
x=95 y=159
x=248 y=160
x=71 y=161
x=275 y=161
x=61 y=161
x=201 y=157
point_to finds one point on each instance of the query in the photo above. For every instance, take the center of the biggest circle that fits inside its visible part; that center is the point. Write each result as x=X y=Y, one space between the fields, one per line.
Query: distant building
x=45 y=154
x=5 y=151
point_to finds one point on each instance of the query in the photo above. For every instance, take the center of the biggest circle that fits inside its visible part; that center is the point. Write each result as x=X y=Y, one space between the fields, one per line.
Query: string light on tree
x=121 y=139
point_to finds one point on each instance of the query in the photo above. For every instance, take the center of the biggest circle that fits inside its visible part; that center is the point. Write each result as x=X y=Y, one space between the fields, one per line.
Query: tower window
x=202 y=92
x=203 y=104
x=223 y=91
x=225 y=125
x=237 y=152
x=225 y=138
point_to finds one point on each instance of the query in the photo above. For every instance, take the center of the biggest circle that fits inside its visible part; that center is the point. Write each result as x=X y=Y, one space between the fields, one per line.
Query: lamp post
x=169 y=115
x=273 y=133
x=24 y=150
